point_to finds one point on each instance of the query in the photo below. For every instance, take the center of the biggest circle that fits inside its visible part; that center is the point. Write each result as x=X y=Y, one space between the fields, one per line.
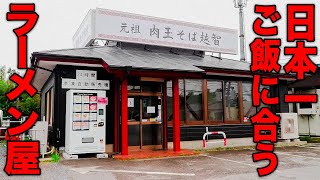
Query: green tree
x=24 y=103
x=5 y=87
x=27 y=104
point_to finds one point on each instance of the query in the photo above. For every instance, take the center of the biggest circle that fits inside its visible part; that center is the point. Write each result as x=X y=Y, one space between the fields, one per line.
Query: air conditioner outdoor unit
x=307 y=108
x=288 y=126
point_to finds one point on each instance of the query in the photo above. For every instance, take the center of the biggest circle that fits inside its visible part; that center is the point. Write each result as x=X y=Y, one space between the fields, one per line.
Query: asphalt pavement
x=294 y=163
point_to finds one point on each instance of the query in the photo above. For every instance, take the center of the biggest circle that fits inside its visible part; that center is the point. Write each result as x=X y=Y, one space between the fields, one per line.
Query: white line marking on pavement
x=239 y=162
x=146 y=172
x=94 y=169
x=297 y=155
x=164 y=158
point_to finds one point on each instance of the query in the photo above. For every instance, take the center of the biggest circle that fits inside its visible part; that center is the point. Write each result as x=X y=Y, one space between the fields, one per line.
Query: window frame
x=205 y=120
x=202 y=120
x=49 y=106
x=240 y=104
x=214 y=121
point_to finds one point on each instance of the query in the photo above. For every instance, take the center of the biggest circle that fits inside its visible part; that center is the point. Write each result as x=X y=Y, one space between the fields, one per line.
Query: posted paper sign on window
x=151 y=109
x=130 y=102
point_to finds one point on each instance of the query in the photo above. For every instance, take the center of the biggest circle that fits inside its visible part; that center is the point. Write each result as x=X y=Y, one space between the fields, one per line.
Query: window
x=49 y=106
x=193 y=98
x=221 y=103
x=151 y=86
x=133 y=108
x=305 y=105
x=150 y=107
x=134 y=85
x=134 y=88
x=231 y=101
x=181 y=98
x=248 y=108
x=215 y=101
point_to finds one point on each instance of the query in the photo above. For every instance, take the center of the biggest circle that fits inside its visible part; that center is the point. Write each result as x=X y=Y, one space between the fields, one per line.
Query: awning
x=136 y=58
x=141 y=59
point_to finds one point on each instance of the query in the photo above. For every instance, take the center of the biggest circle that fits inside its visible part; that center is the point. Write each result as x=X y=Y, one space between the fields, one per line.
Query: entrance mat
x=151 y=154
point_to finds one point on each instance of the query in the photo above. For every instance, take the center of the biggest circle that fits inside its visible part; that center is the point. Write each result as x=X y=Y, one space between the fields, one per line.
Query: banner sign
x=133 y=28
x=85 y=80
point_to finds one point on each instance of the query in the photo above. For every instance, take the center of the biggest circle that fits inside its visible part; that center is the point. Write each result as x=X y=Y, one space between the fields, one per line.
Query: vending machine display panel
x=83 y=113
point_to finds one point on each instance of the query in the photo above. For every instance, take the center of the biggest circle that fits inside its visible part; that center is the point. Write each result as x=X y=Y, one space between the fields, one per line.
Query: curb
x=239 y=148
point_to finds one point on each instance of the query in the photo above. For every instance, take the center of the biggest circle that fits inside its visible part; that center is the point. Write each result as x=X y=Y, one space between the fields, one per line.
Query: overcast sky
x=59 y=19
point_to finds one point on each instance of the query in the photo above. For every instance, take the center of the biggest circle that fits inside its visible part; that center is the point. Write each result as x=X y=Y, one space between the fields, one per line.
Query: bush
x=310 y=139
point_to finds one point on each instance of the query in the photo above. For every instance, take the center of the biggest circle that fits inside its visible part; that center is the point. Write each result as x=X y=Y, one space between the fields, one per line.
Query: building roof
x=116 y=57
x=309 y=82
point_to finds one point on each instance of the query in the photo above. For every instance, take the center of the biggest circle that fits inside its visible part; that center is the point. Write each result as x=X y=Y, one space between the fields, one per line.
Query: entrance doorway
x=145 y=112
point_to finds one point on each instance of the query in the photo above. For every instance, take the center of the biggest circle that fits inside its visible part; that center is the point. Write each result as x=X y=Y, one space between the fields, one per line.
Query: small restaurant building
x=159 y=84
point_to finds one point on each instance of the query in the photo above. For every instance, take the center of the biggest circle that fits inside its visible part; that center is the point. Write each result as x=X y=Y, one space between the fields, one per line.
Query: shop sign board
x=127 y=27
x=85 y=84
x=85 y=80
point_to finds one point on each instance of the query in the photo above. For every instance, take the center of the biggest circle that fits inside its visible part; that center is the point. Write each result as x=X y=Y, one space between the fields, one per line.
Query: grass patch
x=310 y=139
x=3 y=143
x=55 y=157
x=238 y=148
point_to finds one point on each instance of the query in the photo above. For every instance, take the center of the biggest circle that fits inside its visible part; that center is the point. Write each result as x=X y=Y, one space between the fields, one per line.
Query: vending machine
x=85 y=122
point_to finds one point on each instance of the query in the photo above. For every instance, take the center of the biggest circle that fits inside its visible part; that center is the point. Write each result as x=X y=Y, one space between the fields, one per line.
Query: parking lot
x=294 y=163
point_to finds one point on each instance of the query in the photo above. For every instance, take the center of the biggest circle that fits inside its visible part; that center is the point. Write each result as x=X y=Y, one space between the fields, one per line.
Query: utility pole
x=241 y=4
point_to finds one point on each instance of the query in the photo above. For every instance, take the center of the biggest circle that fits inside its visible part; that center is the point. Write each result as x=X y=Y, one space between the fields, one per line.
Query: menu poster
x=93 y=99
x=76 y=126
x=93 y=107
x=76 y=99
x=93 y=116
x=76 y=116
x=85 y=99
x=85 y=107
x=76 y=107
x=84 y=110
x=84 y=125
x=85 y=116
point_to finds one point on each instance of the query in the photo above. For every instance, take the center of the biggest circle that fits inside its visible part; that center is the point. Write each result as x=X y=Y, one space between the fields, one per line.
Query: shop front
x=156 y=92
x=147 y=108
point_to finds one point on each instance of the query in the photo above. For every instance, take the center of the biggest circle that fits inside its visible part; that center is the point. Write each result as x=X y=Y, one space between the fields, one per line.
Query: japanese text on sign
x=265 y=53
x=22 y=157
x=125 y=27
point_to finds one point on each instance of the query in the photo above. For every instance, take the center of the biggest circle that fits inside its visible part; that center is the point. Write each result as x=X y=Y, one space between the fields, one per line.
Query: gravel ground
x=48 y=170
x=294 y=163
